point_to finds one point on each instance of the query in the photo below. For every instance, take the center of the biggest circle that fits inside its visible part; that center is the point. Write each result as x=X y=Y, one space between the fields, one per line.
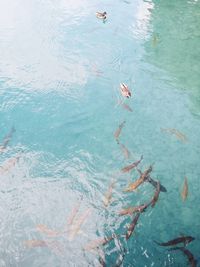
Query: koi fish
x=132 y=226
x=76 y=228
x=139 y=181
x=119 y=129
x=131 y=210
x=108 y=195
x=184 y=192
x=190 y=256
x=44 y=229
x=125 y=90
x=183 y=239
x=175 y=132
x=154 y=183
x=131 y=166
x=156 y=195
x=124 y=150
x=121 y=256
x=125 y=106
x=98 y=242
x=101 y=15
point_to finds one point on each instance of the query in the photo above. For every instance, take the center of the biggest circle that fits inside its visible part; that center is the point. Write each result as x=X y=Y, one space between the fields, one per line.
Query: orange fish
x=184 y=192
x=131 y=166
x=6 y=140
x=131 y=210
x=49 y=232
x=35 y=243
x=8 y=164
x=143 y=177
x=125 y=106
x=76 y=227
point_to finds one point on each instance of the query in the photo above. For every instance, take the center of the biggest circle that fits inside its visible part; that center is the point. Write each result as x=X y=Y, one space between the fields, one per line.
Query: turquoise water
x=60 y=70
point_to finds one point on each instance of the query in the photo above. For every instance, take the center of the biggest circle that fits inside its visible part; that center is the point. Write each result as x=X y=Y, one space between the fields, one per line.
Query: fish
x=8 y=164
x=121 y=256
x=119 y=129
x=73 y=213
x=125 y=90
x=154 y=183
x=131 y=210
x=49 y=232
x=177 y=133
x=125 y=106
x=98 y=242
x=183 y=239
x=6 y=140
x=131 y=166
x=132 y=226
x=108 y=196
x=184 y=192
x=76 y=227
x=187 y=252
x=156 y=195
x=101 y=15
x=35 y=243
x=139 y=181
x=124 y=150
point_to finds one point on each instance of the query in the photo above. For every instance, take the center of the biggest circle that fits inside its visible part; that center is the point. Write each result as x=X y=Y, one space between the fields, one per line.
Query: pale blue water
x=60 y=70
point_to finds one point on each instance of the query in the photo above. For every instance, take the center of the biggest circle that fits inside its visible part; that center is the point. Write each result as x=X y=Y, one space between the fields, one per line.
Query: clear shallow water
x=60 y=71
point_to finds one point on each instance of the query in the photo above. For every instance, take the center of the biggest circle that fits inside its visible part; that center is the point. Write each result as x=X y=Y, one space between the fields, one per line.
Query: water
x=60 y=71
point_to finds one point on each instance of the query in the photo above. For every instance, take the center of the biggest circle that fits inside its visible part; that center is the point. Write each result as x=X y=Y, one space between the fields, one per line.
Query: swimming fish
x=8 y=164
x=98 y=242
x=183 y=239
x=49 y=232
x=154 y=183
x=175 y=132
x=132 y=226
x=119 y=129
x=125 y=90
x=73 y=213
x=131 y=166
x=139 y=181
x=108 y=196
x=131 y=210
x=6 y=140
x=76 y=227
x=35 y=243
x=184 y=192
x=190 y=256
x=101 y=15
x=124 y=150
x=125 y=106
x=156 y=195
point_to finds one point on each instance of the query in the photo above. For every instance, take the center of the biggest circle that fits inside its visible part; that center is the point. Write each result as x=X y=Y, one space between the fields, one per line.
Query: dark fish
x=192 y=260
x=154 y=183
x=132 y=226
x=139 y=181
x=132 y=166
x=156 y=195
x=131 y=210
x=121 y=256
x=7 y=139
x=183 y=239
